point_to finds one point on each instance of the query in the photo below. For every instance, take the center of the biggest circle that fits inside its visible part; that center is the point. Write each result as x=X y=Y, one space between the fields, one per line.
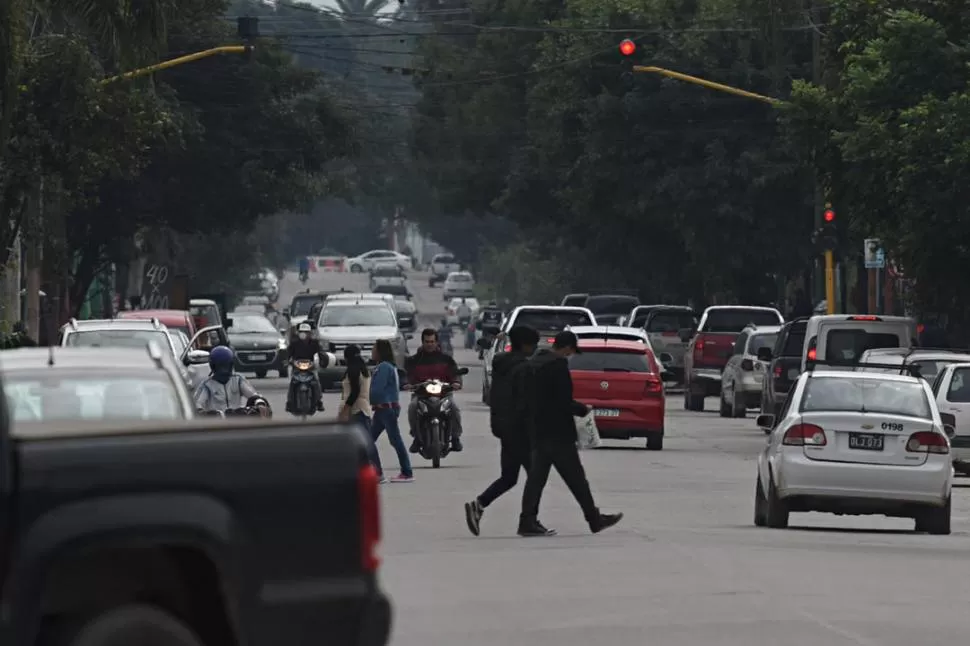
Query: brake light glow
x=370 y=517
x=863 y=318
x=927 y=442
x=778 y=370
x=805 y=435
x=811 y=354
x=508 y=347
x=698 y=349
x=550 y=340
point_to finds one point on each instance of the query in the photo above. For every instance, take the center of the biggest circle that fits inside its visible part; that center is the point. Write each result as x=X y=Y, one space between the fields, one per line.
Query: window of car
x=301 y=304
x=611 y=304
x=959 y=390
x=394 y=290
x=865 y=395
x=251 y=324
x=552 y=320
x=929 y=369
x=740 y=343
x=735 y=319
x=356 y=315
x=794 y=342
x=665 y=322
x=444 y=259
x=758 y=341
x=108 y=338
x=123 y=395
x=610 y=361
x=847 y=345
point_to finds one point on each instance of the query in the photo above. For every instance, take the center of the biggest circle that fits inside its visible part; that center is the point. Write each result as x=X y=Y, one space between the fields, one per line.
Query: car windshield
x=301 y=306
x=670 y=321
x=108 y=338
x=865 y=396
x=611 y=304
x=251 y=324
x=38 y=398
x=461 y=278
x=929 y=369
x=736 y=319
x=208 y=312
x=345 y=316
x=620 y=336
x=470 y=302
x=552 y=320
x=795 y=342
x=610 y=361
x=758 y=341
x=396 y=290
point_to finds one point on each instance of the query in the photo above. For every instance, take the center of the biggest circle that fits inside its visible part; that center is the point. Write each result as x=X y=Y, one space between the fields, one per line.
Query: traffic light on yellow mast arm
x=827 y=236
x=627 y=49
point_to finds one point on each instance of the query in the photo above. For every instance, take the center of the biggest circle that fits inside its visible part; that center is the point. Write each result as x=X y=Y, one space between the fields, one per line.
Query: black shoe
x=415 y=446
x=289 y=407
x=534 y=528
x=456 y=445
x=320 y=405
x=604 y=521
x=473 y=516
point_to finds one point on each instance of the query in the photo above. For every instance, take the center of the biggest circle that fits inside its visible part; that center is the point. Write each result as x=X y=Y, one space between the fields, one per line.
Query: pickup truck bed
x=243 y=532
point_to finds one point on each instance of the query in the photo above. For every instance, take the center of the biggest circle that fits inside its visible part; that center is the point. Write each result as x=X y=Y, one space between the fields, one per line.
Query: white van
x=843 y=338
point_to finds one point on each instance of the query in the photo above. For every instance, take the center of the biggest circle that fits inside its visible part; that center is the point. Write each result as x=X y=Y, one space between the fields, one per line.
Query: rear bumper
x=375 y=628
x=928 y=484
x=637 y=419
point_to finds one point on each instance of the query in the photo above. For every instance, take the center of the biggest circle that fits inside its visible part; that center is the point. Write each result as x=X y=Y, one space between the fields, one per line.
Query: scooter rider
x=306 y=348
x=304 y=266
x=464 y=313
x=444 y=337
x=429 y=362
x=224 y=389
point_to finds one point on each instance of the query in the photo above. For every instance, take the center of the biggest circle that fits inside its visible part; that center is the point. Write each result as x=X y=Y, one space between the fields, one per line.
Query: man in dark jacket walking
x=554 y=442
x=509 y=418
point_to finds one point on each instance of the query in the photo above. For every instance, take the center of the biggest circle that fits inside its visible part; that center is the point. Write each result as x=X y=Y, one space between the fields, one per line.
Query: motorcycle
x=434 y=418
x=304 y=402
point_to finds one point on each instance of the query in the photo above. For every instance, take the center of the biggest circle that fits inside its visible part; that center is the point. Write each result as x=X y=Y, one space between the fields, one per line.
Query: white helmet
x=303 y=331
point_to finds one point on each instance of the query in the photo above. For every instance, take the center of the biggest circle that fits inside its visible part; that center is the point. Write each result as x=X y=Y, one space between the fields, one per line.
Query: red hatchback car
x=622 y=382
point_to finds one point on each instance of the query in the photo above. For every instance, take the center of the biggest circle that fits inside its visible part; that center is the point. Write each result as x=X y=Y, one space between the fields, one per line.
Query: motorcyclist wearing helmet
x=444 y=337
x=224 y=389
x=306 y=348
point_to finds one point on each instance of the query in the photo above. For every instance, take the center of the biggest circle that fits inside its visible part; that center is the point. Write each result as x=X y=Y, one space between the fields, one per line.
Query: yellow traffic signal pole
x=736 y=91
x=181 y=60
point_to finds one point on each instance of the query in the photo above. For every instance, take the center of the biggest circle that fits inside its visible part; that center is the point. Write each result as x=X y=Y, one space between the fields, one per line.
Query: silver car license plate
x=606 y=412
x=257 y=357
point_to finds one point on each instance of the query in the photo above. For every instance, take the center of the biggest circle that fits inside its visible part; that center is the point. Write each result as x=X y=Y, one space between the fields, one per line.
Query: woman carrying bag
x=355 y=388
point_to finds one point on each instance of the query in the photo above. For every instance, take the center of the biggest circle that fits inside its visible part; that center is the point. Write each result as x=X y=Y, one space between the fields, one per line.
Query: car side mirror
x=196 y=357
x=685 y=334
x=286 y=312
x=666 y=358
x=764 y=354
x=227 y=324
x=765 y=421
x=463 y=371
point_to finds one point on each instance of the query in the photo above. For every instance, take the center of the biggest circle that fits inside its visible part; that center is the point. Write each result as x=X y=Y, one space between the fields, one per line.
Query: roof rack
x=155 y=353
x=73 y=323
x=912 y=369
x=156 y=323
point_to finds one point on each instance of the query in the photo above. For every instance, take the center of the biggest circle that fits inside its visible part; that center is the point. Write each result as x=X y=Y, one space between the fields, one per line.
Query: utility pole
x=813 y=17
x=34 y=259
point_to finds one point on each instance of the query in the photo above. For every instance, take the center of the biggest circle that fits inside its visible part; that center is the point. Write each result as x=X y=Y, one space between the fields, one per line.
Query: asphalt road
x=685 y=567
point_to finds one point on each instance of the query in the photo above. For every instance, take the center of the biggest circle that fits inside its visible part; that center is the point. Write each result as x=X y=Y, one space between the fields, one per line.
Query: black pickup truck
x=211 y=533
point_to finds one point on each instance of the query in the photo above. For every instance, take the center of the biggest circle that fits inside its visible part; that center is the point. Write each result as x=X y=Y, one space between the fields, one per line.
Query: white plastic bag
x=587 y=435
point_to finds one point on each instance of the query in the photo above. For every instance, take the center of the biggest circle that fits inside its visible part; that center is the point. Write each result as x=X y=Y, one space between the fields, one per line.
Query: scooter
x=434 y=418
x=304 y=403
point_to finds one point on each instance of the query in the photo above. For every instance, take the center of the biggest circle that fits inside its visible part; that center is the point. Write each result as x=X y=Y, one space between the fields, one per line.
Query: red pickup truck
x=711 y=344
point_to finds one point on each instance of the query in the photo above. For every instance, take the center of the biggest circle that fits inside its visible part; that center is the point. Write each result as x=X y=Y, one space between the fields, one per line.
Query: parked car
x=744 y=374
x=378 y=258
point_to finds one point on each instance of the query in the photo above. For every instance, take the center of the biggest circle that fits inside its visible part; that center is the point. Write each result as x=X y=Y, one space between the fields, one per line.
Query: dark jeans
x=512 y=458
x=386 y=419
x=565 y=458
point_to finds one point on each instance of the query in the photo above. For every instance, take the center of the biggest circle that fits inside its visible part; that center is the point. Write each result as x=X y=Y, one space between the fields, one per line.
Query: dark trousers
x=565 y=458
x=513 y=457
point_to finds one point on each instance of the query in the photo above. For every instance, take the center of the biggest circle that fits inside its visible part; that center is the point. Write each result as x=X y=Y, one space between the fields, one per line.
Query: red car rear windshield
x=735 y=319
x=610 y=361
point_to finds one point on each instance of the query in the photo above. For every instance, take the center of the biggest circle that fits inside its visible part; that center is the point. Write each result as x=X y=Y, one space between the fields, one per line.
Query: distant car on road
x=378 y=258
x=458 y=283
x=442 y=264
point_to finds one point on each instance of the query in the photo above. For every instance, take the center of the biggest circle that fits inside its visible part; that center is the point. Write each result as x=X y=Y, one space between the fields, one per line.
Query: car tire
x=260 y=374
x=739 y=407
x=776 y=509
x=655 y=441
x=135 y=624
x=692 y=402
x=356 y=269
x=760 y=504
x=725 y=409
x=935 y=520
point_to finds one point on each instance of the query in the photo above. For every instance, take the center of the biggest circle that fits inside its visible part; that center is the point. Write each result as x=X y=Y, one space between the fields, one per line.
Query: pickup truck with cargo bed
x=205 y=533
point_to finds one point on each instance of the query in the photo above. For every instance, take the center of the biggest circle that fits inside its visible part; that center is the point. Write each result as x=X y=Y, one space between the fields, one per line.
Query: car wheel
x=739 y=407
x=776 y=509
x=725 y=409
x=135 y=624
x=655 y=441
x=431 y=282
x=356 y=269
x=760 y=505
x=935 y=520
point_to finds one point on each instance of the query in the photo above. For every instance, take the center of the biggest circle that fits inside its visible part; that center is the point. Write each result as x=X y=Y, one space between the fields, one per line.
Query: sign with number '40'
x=154 y=287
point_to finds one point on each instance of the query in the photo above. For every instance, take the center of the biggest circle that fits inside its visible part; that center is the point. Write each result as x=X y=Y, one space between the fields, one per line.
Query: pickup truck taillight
x=368 y=483
x=698 y=349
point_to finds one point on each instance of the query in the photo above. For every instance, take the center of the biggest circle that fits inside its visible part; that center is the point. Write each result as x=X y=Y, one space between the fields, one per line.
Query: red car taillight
x=699 y=349
x=927 y=442
x=508 y=347
x=805 y=435
x=653 y=386
x=369 y=509
x=777 y=370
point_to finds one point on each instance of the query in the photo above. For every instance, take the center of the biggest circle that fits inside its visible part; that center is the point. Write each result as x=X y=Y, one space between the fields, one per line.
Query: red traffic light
x=627 y=47
x=829 y=215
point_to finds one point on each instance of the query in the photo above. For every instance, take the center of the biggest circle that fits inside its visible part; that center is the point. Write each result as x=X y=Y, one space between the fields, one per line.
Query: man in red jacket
x=429 y=362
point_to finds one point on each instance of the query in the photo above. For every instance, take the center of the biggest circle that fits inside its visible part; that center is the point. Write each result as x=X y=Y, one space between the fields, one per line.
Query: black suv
x=784 y=365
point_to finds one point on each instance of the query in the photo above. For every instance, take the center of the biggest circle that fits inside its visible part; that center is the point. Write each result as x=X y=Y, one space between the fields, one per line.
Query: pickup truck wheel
x=135 y=624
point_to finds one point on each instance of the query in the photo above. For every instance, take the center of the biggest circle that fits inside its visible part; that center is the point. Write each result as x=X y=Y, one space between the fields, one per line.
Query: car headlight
x=281 y=344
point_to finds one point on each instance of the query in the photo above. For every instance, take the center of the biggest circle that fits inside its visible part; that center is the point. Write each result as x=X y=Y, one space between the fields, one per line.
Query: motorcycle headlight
x=281 y=344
